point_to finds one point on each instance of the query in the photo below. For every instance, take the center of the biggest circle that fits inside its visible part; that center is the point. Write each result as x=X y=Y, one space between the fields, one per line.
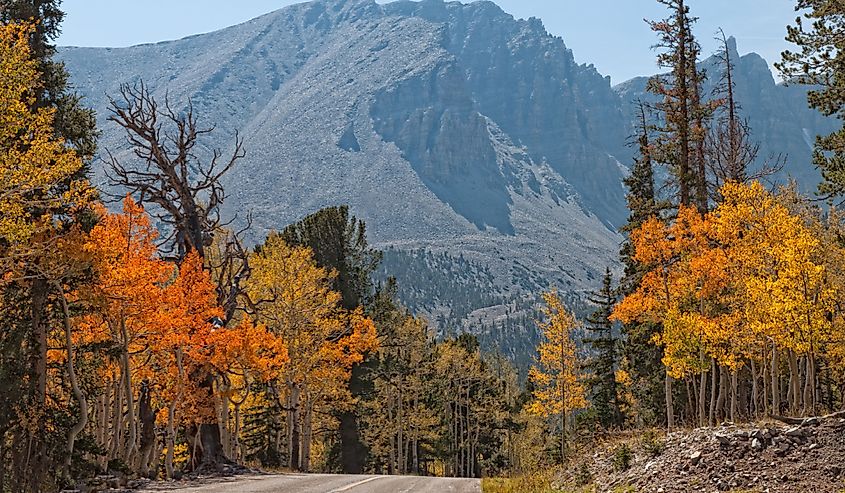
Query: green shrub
x=583 y=477
x=622 y=457
x=653 y=443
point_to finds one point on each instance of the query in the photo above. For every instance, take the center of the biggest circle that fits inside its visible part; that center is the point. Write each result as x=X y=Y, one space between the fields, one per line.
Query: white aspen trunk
x=171 y=439
x=794 y=396
x=102 y=424
x=670 y=407
x=81 y=401
x=721 y=400
x=295 y=445
x=239 y=455
x=117 y=418
x=775 y=381
x=809 y=385
x=702 y=393
x=734 y=391
x=131 y=440
x=221 y=406
x=755 y=403
x=714 y=375
x=307 y=433
x=171 y=417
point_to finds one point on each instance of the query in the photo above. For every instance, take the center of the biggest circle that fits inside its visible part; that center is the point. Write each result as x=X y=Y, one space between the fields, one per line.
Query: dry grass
x=540 y=482
x=531 y=483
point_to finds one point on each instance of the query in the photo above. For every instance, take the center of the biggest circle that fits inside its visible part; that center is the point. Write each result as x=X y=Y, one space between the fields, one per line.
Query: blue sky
x=607 y=33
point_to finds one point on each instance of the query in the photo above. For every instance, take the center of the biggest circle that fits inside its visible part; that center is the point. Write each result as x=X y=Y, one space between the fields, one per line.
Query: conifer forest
x=146 y=334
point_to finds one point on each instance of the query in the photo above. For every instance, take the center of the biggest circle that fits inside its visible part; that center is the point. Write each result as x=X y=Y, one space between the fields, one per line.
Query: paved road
x=328 y=483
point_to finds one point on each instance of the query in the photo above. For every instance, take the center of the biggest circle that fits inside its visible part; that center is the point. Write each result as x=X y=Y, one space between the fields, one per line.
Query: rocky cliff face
x=446 y=126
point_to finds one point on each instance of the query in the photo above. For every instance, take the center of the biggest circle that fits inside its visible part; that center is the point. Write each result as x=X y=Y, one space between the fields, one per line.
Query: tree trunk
x=131 y=439
x=702 y=393
x=809 y=385
x=81 y=401
x=211 y=443
x=171 y=439
x=670 y=408
x=722 y=397
x=148 y=420
x=239 y=456
x=171 y=416
x=775 y=381
x=714 y=375
x=294 y=425
x=734 y=390
x=305 y=462
x=221 y=410
x=754 y=409
x=794 y=385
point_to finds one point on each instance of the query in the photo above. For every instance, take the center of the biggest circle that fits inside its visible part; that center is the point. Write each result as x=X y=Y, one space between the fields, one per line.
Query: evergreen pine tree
x=640 y=357
x=263 y=429
x=681 y=141
x=820 y=63
x=684 y=117
x=604 y=359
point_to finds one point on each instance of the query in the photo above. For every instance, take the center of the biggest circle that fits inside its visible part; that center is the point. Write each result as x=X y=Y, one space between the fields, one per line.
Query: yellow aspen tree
x=32 y=159
x=557 y=376
x=784 y=280
x=292 y=296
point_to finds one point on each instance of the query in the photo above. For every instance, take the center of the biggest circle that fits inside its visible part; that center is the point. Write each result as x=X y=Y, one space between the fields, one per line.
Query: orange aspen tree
x=126 y=299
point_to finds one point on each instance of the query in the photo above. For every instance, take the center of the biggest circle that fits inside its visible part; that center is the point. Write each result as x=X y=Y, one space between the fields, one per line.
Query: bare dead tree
x=187 y=195
x=167 y=172
x=731 y=149
x=229 y=264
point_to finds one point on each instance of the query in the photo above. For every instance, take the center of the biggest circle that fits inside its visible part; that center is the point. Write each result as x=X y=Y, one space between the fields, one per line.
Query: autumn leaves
x=756 y=277
x=160 y=321
x=294 y=298
x=32 y=161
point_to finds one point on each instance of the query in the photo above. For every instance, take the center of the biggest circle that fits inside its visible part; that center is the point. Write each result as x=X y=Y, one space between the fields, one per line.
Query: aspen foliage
x=33 y=161
x=750 y=278
x=293 y=297
x=558 y=376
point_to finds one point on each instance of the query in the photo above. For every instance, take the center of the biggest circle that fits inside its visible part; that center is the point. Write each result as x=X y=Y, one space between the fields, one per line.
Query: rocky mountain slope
x=449 y=127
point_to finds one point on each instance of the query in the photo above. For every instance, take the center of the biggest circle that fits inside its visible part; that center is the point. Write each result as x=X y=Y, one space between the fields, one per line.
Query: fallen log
x=809 y=421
